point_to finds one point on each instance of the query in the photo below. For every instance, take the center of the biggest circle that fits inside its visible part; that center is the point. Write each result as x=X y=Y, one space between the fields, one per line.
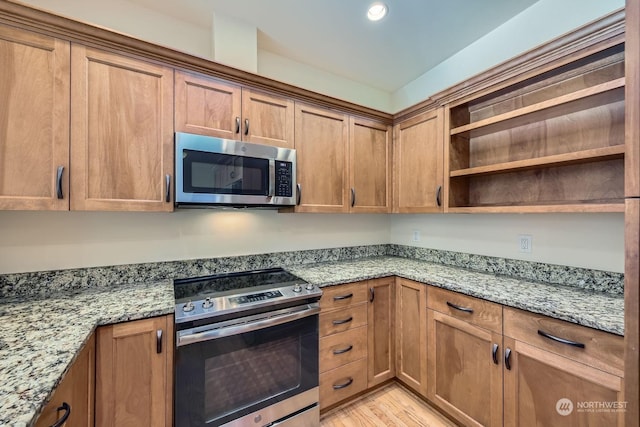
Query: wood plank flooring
x=391 y=405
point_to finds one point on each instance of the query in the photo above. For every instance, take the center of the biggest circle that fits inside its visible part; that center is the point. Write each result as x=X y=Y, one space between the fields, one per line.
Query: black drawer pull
x=343 y=385
x=67 y=411
x=561 y=340
x=507 y=358
x=342 y=322
x=494 y=353
x=460 y=308
x=372 y=294
x=341 y=297
x=343 y=350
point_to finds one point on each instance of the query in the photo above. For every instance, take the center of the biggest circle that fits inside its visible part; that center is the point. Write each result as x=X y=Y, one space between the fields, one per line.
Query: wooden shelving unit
x=551 y=143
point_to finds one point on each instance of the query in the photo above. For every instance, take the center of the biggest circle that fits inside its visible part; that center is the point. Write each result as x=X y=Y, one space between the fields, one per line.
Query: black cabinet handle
x=341 y=297
x=438 y=193
x=372 y=294
x=246 y=126
x=459 y=308
x=299 y=195
x=167 y=195
x=560 y=340
x=507 y=358
x=342 y=322
x=494 y=353
x=353 y=197
x=343 y=385
x=159 y=341
x=343 y=350
x=237 y=124
x=59 y=182
x=67 y=411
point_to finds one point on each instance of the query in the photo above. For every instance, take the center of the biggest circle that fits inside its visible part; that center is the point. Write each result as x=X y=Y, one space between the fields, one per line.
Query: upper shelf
x=605 y=93
x=584 y=156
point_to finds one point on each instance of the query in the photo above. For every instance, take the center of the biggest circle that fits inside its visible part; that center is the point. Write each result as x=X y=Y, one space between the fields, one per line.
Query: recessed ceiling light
x=377 y=11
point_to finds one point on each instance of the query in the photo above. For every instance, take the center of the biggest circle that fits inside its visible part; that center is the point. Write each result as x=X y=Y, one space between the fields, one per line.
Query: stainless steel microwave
x=221 y=172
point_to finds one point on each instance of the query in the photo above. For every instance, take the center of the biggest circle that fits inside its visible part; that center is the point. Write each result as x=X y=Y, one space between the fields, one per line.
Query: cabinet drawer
x=342 y=382
x=341 y=320
x=340 y=349
x=601 y=350
x=476 y=311
x=343 y=295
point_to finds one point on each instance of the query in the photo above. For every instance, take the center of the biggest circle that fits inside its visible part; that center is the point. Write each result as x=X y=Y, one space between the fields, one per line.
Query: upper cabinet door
x=322 y=138
x=122 y=133
x=418 y=164
x=267 y=119
x=206 y=106
x=370 y=168
x=34 y=121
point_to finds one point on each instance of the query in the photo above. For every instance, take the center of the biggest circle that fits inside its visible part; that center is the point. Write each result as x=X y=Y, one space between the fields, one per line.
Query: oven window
x=225 y=174
x=248 y=375
x=226 y=378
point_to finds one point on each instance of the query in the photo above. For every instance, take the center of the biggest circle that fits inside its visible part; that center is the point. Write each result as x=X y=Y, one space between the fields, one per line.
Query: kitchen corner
x=45 y=318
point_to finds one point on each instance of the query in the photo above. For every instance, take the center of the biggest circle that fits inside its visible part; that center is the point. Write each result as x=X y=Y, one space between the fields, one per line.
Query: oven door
x=264 y=368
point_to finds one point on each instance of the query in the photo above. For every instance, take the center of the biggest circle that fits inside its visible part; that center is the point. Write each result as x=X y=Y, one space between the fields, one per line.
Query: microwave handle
x=272 y=177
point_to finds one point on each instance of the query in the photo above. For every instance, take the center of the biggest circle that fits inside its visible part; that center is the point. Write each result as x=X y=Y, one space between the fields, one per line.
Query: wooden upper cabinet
x=121 y=133
x=134 y=373
x=370 y=166
x=207 y=106
x=418 y=163
x=34 y=121
x=322 y=141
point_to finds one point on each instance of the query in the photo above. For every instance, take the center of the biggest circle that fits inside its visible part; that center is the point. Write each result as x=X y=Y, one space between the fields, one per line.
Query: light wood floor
x=391 y=405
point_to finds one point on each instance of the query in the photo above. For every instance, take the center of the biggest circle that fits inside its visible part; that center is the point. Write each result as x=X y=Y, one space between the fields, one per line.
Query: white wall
x=35 y=241
x=543 y=21
x=582 y=240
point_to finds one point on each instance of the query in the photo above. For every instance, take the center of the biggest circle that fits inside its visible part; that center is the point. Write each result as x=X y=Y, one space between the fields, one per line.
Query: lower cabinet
x=74 y=397
x=134 y=373
x=411 y=334
x=343 y=342
x=381 y=313
x=464 y=363
x=557 y=373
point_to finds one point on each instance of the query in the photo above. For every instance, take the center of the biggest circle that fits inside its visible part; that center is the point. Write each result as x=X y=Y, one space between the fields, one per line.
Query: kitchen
x=41 y=241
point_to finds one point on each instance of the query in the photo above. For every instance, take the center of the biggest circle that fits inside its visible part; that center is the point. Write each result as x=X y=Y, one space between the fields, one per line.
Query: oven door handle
x=189 y=336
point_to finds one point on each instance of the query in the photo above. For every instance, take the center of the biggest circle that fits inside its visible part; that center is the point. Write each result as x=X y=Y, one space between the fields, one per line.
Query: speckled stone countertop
x=40 y=337
x=588 y=308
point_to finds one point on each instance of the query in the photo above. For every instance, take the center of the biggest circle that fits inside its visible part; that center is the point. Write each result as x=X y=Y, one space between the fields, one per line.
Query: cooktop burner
x=232 y=294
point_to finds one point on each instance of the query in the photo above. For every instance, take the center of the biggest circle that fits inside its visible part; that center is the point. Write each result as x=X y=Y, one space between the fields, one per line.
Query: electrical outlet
x=416 y=235
x=524 y=243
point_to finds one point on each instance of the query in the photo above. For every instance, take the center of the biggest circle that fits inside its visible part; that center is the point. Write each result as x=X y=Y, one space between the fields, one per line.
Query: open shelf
x=576 y=157
x=604 y=93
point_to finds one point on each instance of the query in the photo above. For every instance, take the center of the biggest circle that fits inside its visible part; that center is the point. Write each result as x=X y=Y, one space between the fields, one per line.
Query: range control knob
x=297 y=288
x=309 y=286
x=188 y=307
x=208 y=303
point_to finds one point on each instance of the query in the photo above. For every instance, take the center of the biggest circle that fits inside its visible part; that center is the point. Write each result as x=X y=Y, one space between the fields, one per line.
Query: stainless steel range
x=246 y=350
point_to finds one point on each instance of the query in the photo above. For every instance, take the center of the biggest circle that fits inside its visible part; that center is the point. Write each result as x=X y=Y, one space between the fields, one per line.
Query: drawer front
x=340 y=349
x=476 y=311
x=601 y=350
x=343 y=319
x=343 y=382
x=343 y=295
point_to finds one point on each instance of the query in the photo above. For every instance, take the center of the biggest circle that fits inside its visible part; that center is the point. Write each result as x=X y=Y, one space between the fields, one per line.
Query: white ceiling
x=335 y=36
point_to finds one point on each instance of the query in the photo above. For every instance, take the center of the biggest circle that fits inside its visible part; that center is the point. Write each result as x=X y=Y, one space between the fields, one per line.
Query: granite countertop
x=39 y=339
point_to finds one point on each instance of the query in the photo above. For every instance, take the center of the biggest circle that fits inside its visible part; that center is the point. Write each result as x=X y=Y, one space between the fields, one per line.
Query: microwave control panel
x=284 y=179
